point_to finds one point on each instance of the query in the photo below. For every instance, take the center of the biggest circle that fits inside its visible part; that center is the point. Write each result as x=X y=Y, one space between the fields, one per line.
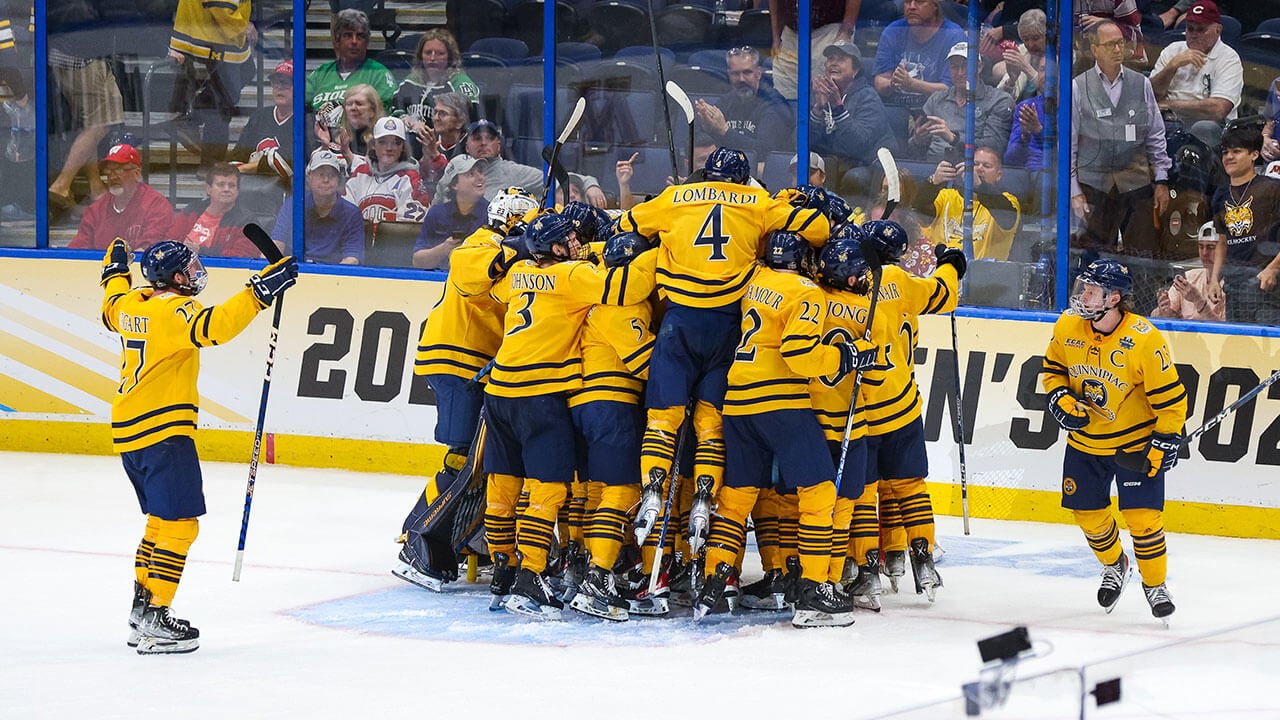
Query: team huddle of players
x=652 y=385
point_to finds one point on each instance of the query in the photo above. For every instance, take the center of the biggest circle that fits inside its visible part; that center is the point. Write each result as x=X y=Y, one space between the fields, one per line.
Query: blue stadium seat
x=1269 y=26
x=503 y=47
x=577 y=52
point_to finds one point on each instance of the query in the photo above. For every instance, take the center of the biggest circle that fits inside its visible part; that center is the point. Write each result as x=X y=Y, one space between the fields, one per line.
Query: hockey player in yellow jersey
x=153 y=413
x=710 y=235
x=462 y=333
x=1113 y=386
x=530 y=431
x=895 y=432
x=608 y=420
x=768 y=417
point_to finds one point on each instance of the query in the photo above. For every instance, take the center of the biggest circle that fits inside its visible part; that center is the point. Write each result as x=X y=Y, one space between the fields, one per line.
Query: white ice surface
x=318 y=628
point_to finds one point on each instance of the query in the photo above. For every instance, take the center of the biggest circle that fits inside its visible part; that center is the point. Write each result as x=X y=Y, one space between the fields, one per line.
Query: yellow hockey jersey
x=893 y=401
x=546 y=311
x=846 y=321
x=464 y=329
x=711 y=234
x=161 y=335
x=616 y=346
x=1127 y=378
x=212 y=30
x=989 y=239
x=781 y=347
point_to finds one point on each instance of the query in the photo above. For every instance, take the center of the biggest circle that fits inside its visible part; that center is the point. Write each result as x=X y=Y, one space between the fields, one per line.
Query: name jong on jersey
x=846 y=321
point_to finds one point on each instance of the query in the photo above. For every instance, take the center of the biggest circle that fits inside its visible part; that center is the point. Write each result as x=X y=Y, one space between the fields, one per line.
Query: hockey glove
x=116 y=262
x=513 y=251
x=951 y=256
x=836 y=209
x=1162 y=452
x=1068 y=410
x=274 y=280
x=857 y=355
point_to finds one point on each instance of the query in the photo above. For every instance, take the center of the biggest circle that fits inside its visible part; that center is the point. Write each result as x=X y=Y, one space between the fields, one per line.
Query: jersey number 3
x=712 y=233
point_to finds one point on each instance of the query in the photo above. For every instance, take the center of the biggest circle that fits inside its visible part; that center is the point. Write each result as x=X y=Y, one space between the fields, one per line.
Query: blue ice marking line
x=6 y=408
x=1070 y=562
x=461 y=614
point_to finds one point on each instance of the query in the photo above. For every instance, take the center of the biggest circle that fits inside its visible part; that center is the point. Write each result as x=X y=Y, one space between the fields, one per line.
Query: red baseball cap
x=1204 y=12
x=125 y=154
x=285 y=67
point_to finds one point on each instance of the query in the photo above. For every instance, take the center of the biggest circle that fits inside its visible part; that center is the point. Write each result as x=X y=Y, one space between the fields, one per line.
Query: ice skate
x=160 y=633
x=141 y=598
x=1114 y=579
x=650 y=505
x=1161 y=602
x=865 y=589
x=684 y=577
x=598 y=596
x=700 y=513
x=820 y=606
x=635 y=591
x=413 y=572
x=767 y=593
x=893 y=565
x=926 y=575
x=531 y=596
x=504 y=575
x=713 y=591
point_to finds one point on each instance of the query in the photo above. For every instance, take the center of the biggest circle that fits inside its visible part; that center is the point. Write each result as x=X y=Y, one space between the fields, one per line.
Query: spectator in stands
x=264 y=152
x=215 y=224
x=461 y=213
x=1246 y=214
x=87 y=85
x=1019 y=67
x=1200 y=79
x=846 y=117
x=361 y=108
x=436 y=69
x=333 y=231
x=1187 y=298
x=911 y=60
x=129 y=209
x=1012 y=13
x=484 y=143
x=939 y=134
x=1026 y=137
x=1118 y=161
x=1270 y=144
x=385 y=185
x=817 y=169
x=449 y=134
x=1090 y=14
x=996 y=214
x=210 y=43
x=830 y=21
x=1171 y=13
x=328 y=84
x=752 y=117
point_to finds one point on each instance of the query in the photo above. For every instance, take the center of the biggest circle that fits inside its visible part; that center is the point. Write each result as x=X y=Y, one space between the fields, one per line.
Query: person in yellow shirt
x=1113 y=386
x=153 y=412
x=996 y=214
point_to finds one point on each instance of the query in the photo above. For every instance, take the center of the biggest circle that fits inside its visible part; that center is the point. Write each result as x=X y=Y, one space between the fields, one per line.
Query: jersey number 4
x=712 y=233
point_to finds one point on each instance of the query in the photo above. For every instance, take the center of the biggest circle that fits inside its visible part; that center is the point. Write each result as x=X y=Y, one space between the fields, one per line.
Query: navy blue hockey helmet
x=593 y=223
x=786 y=250
x=167 y=258
x=841 y=264
x=888 y=238
x=623 y=247
x=549 y=230
x=828 y=203
x=727 y=165
x=1107 y=274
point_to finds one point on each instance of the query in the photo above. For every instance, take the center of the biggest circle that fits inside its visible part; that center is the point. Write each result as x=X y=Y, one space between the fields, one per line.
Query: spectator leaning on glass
x=829 y=21
x=752 y=116
x=129 y=210
x=385 y=185
x=911 y=59
x=846 y=118
x=448 y=223
x=436 y=69
x=1246 y=214
x=1200 y=79
x=327 y=84
x=215 y=225
x=996 y=214
x=333 y=231
x=1118 y=158
x=940 y=133
x=1188 y=298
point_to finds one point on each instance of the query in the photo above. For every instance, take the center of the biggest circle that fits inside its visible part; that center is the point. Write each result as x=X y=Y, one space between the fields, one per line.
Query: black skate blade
x=651 y=607
x=413 y=577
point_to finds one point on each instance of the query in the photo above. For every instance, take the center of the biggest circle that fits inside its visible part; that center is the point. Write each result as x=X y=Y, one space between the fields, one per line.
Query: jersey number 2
x=712 y=233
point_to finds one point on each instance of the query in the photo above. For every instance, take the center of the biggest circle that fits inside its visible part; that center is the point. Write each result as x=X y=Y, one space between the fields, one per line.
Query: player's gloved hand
x=116 y=262
x=1162 y=452
x=274 y=280
x=792 y=196
x=513 y=251
x=836 y=209
x=516 y=227
x=951 y=256
x=857 y=355
x=1068 y=409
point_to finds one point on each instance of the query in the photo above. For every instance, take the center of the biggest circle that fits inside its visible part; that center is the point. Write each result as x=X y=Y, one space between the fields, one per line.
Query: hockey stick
x=569 y=127
x=662 y=82
x=678 y=94
x=557 y=168
x=674 y=477
x=894 y=192
x=267 y=247
x=873 y=260
x=959 y=428
x=1138 y=462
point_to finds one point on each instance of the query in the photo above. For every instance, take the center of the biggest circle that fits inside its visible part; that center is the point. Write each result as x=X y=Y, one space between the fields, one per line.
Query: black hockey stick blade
x=262 y=240
x=1133 y=462
x=558 y=173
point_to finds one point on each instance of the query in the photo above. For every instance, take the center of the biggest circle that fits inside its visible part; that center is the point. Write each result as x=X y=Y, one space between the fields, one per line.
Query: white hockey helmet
x=510 y=205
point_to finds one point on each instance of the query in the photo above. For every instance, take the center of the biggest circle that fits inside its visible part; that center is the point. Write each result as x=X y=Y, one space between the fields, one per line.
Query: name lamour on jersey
x=132 y=324
x=1081 y=370
x=764 y=296
x=535 y=282
x=713 y=194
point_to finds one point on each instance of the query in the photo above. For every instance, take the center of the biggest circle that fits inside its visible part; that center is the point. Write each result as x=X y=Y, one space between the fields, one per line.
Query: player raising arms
x=710 y=235
x=1113 y=386
x=153 y=413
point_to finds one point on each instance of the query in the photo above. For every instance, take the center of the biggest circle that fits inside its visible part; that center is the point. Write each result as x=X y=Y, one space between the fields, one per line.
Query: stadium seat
x=685 y=25
x=619 y=24
x=698 y=81
x=483 y=19
x=777 y=171
x=625 y=74
x=643 y=55
x=1231 y=29
x=1271 y=26
x=473 y=59
x=577 y=52
x=711 y=59
x=652 y=168
x=754 y=29
x=502 y=47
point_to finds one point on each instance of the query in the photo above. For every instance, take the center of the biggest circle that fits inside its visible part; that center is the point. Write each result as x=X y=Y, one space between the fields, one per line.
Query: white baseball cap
x=327 y=158
x=1208 y=233
x=960 y=50
x=389 y=126
x=815 y=162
